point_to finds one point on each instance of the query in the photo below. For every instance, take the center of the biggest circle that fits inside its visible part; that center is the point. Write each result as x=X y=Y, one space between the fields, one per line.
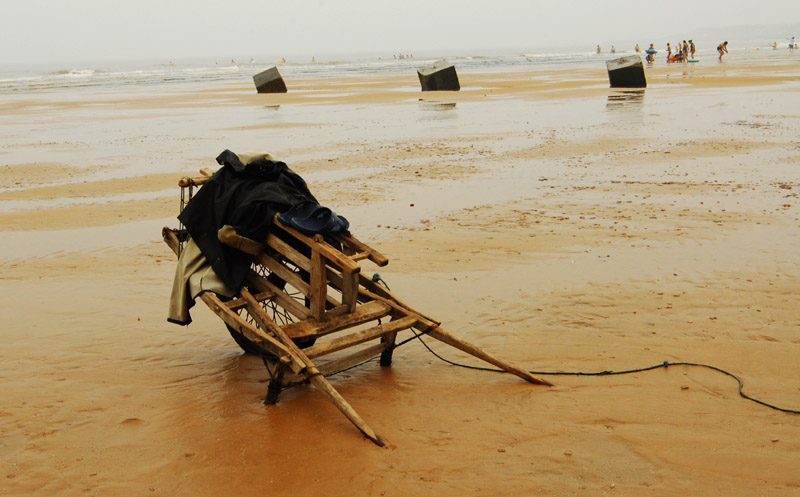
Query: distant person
x=775 y=46
x=638 y=50
x=792 y=46
x=685 y=50
x=599 y=49
x=613 y=49
x=691 y=48
x=669 y=52
x=722 y=48
x=651 y=54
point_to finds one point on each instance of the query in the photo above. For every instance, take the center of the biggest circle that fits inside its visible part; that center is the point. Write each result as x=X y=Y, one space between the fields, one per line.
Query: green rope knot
x=376 y=278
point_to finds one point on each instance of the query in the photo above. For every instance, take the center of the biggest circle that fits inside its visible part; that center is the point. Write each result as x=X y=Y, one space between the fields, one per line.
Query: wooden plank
x=362 y=250
x=341 y=363
x=473 y=350
x=198 y=180
x=294 y=307
x=238 y=303
x=319 y=288
x=284 y=273
x=363 y=314
x=171 y=239
x=289 y=252
x=358 y=337
x=353 y=359
x=350 y=291
x=332 y=254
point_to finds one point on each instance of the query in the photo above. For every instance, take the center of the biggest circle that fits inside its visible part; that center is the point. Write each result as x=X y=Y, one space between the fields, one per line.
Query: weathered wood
x=288 y=252
x=171 y=239
x=473 y=350
x=275 y=381
x=349 y=291
x=318 y=288
x=284 y=273
x=388 y=339
x=294 y=307
x=197 y=180
x=332 y=254
x=363 y=314
x=353 y=359
x=237 y=303
x=310 y=371
x=361 y=250
x=432 y=329
x=359 y=337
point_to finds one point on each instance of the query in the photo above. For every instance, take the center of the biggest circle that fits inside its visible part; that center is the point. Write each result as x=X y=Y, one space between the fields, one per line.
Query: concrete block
x=441 y=76
x=269 y=81
x=626 y=72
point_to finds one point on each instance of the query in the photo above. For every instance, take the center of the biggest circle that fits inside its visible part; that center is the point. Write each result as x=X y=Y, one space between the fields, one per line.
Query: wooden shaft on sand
x=432 y=329
x=311 y=372
x=470 y=349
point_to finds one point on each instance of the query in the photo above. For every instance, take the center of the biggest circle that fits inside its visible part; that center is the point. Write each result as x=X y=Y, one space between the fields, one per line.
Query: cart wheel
x=278 y=314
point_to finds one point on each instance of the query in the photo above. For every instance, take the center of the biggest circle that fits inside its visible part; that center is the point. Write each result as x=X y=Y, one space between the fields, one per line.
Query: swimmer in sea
x=722 y=49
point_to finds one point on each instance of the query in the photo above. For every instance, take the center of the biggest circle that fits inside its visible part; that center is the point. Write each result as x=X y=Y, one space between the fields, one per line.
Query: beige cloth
x=249 y=157
x=193 y=276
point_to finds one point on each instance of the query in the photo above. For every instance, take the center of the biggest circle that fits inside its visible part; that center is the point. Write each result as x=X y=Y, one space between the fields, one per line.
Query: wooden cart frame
x=303 y=290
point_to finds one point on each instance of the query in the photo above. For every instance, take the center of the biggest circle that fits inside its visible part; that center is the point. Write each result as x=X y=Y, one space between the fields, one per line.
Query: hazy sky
x=83 y=30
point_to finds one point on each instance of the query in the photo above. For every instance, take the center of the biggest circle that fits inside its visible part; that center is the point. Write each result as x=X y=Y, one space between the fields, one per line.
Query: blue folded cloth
x=310 y=218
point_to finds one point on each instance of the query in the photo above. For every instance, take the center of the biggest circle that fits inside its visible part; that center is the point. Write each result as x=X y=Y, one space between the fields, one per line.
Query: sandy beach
x=555 y=222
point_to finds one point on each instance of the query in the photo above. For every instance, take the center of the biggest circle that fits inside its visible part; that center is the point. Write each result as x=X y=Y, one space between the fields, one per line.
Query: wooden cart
x=303 y=290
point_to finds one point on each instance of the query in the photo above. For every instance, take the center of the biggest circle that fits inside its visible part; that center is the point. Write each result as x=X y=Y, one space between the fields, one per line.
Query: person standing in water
x=722 y=49
x=691 y=48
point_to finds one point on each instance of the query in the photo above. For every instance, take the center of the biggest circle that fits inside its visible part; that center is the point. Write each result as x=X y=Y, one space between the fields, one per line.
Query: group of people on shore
x=683 y=52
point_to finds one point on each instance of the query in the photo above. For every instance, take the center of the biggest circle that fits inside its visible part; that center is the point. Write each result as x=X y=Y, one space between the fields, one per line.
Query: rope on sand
x=664 y=365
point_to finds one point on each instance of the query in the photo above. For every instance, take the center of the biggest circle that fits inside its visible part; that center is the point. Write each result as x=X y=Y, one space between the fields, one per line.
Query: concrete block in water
x=626 y=72
x=269 y=81
x=441 y=76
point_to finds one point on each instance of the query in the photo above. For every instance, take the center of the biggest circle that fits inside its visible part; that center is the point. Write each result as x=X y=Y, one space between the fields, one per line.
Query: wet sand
x=555 y=222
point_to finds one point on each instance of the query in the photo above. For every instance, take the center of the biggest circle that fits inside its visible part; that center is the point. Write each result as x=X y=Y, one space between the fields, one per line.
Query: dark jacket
x=246 y=199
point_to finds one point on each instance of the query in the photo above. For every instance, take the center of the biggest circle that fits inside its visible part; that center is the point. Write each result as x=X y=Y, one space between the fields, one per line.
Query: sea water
x=21 y=78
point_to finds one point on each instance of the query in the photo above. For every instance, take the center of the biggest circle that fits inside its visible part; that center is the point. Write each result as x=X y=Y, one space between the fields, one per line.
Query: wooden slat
x=470 y=349
x=353 y=359
x=358 y=337
x=341 y=363
x=319 y=286
x=363 y=314
x=260 y=284
x=284 y=273
x=171 y=239
x=362 y=250
x=350 y=291
x=237 y=303
x=289 y=252
x=197 y=180
x=332 y=254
